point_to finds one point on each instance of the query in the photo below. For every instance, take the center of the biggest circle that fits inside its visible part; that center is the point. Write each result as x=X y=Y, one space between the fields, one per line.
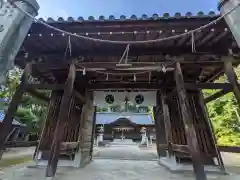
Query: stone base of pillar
x=82 y=158
x=61 y=163
x=77 y=160
x=171 y=164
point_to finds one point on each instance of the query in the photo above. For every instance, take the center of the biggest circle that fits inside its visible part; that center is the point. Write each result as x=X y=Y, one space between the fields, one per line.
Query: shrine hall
x=124 y=125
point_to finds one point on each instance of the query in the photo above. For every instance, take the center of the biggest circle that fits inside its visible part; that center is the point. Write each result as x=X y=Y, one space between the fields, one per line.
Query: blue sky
x=85 y=8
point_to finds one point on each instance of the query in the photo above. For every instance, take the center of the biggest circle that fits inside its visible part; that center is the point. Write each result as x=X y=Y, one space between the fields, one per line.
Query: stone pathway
x=142 y=166
x=125 y=150
x=104 y=169
x=125 y=153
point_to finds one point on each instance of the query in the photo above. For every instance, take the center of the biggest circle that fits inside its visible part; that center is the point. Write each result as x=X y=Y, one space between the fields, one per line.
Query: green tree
x=31 y=111
x=224 y=114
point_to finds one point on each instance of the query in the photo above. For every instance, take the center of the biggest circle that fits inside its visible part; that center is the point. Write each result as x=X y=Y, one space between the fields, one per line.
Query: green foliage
x=32 y=111
x=13 y=79
x=224 y=114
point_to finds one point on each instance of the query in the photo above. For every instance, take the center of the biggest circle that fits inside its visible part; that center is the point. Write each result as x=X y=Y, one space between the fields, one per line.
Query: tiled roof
x=155 y=16
x=138 y=118
x=15 y=122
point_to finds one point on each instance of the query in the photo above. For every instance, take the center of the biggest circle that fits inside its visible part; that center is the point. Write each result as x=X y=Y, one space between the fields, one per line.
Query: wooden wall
x=204 y=136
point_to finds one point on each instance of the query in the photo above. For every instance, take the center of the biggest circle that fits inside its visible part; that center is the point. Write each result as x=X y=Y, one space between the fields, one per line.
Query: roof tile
x=101 y=18
x=155 y=16
x=138 y=118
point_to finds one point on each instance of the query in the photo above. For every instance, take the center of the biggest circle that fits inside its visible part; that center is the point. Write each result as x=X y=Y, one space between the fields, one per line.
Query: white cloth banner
x=104 y=99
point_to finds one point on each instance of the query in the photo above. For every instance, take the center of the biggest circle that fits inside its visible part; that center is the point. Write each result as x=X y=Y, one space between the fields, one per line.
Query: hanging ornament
x=164 y=69
x=84 y=72
x=107 y=77
x=149 y=77
x=134 y=77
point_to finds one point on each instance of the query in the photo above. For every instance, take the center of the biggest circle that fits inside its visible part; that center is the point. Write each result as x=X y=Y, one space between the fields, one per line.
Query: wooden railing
x=11 y=144
x=233 y=149
x=184 y=148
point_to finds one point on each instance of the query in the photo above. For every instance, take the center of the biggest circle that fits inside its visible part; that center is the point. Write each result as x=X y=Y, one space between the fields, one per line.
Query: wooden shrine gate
x=73 y=68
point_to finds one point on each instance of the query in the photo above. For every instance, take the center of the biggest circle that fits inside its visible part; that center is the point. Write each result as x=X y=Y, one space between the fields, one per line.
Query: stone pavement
x=125 y=153
x=105 y=169
x=18 y=152
x=143 y=165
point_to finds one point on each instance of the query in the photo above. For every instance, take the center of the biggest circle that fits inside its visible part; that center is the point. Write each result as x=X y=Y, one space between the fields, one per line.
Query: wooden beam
x=218 y=37
x=219 y=72
x=206 y=37
x=154 y=85
x=175 y=147
x=122 y=86
x=6 y=125
x=166 y=119
x=14 y=144
x=93 y=132
x=112 y=65
x=156 y=111
x=160 y=128
x=50 y=120
x=181 y=148
x=188 y=125
x=232 y=77
x=135 y=51
x=68 y=145
x=204 y=111
x=38 y=95
x=46 y=86
x=232 y=149
x=183 y=40
x=163 y=146
x=79 y=96
x=207 y=85
x=62 y=121
x=217 y=95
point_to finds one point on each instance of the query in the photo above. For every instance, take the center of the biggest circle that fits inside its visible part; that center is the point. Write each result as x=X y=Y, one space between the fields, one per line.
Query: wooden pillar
x=61 y=123
x=167 y=122
x=188 y=125
x=93 y=131
x=160 y=127
x=50 y=122
x=6 y=125
x=232 y=77
x=87 y=132
x=204 y=111
x=82 y=157
x=160 y=132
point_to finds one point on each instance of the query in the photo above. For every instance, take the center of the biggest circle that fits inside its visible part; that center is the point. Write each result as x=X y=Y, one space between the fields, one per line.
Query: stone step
x=123 y=142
